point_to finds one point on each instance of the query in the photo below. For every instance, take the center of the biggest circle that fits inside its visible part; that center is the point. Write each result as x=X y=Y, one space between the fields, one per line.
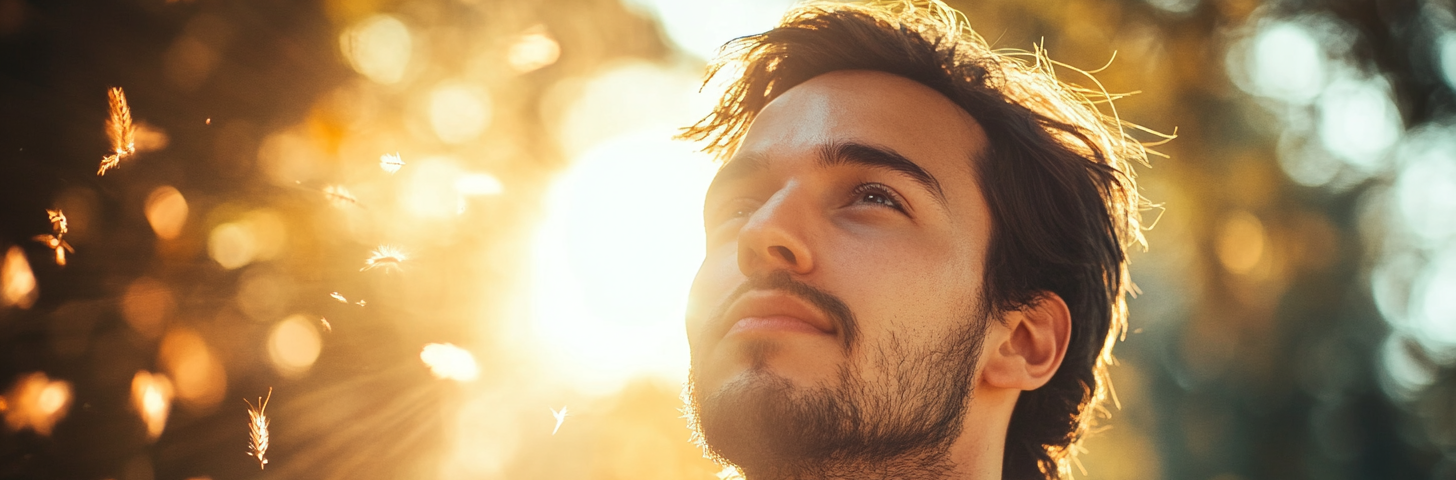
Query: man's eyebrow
x=738 y=167
x=841 y=153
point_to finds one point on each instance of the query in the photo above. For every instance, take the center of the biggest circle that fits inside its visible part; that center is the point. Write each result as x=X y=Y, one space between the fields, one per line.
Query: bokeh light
x=166 y=211
x=17 y=280
x=1285 y=62
x=196 y=372
x=450 y=362
x=37 y=402
x=459 y=112
x=1359 y=121
x=378 y=47
x=293 y=345
x=1241 y=242
x=533 y=50
x=257 y=235
x=151 y=396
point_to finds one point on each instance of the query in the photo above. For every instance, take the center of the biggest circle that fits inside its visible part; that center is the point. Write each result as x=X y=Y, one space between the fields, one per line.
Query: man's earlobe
x=1029 y=347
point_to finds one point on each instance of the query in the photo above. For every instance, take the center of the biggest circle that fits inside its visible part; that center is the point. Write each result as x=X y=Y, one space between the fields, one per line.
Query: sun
x=614 y=260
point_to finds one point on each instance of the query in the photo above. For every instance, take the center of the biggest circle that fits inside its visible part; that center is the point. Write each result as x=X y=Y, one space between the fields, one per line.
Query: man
x=915 y=264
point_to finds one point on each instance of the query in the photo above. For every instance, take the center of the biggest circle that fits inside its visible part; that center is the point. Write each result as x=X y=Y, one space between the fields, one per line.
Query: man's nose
x=776 y=235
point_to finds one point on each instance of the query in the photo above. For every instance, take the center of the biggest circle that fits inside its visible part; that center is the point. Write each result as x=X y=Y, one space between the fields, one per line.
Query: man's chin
x=748 y=419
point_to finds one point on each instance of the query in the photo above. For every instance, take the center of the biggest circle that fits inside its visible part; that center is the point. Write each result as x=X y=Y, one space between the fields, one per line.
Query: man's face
x=839 y=300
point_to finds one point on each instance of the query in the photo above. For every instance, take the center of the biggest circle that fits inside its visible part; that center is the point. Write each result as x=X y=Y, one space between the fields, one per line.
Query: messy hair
x=1057 y=176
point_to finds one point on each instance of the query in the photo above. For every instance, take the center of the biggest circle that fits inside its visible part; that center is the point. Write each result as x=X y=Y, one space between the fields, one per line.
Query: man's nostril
x=785 y=253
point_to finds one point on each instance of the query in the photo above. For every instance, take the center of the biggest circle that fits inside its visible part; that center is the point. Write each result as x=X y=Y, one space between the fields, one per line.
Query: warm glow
x=1241 y=242
x=472 y=184
x=294 y=345
x=533 y=50
x=458 y=113
x=196 y=373
x=701 y=26
x=448 y=361
x=17 y=281
x=167 y=212
x=36 y=402
x=378 y=47
x=621 y=242
x=146 y=306
x=151 y=396
x=430 y=188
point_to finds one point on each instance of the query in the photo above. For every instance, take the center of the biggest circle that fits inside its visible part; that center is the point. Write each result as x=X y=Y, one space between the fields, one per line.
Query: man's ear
x=1030 y=344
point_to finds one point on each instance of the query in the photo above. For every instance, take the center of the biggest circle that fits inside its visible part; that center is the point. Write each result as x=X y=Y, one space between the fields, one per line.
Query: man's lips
x=774 y=323
x=774 y=310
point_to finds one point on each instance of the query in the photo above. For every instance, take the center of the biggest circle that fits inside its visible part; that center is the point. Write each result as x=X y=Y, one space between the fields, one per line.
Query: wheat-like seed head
x=258 y=429
x=119 y=127
x=107 y=163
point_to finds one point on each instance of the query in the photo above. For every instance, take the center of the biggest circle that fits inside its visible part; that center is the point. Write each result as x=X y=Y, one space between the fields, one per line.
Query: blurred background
x=432 y=227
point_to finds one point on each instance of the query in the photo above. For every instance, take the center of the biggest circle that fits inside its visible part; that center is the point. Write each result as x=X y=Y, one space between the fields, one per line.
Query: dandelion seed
x=208 y=121
x=58 y=221
x=560 y=417
x=338 y=297
x=327 y=327
x=339 y=196
x=388 y=257
x=390 y=162
x=359 y=303
x=58 y=244
x=258 y=429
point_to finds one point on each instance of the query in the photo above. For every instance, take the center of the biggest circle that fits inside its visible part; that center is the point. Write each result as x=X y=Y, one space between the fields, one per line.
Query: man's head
x=915 y=253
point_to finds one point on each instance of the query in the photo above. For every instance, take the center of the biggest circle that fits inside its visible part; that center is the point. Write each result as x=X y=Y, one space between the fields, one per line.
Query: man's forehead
x=865 y=107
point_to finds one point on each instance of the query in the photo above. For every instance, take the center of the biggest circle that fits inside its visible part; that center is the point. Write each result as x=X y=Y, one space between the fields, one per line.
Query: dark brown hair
x=1057 y=176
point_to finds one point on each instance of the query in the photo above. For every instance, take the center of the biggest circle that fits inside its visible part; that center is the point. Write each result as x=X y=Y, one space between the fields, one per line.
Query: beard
x=900 y=425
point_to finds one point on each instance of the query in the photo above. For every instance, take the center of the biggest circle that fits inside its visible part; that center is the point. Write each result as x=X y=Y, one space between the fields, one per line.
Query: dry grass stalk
x=258 y=429
x=58 y=221
x=55 y=242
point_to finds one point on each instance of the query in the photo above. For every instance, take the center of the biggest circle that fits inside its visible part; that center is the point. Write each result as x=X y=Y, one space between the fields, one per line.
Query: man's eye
x=878 y=194
x=735 y=210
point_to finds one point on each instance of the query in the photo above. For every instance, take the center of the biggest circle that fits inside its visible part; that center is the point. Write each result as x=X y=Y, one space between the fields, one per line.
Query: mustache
x=780 y=280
